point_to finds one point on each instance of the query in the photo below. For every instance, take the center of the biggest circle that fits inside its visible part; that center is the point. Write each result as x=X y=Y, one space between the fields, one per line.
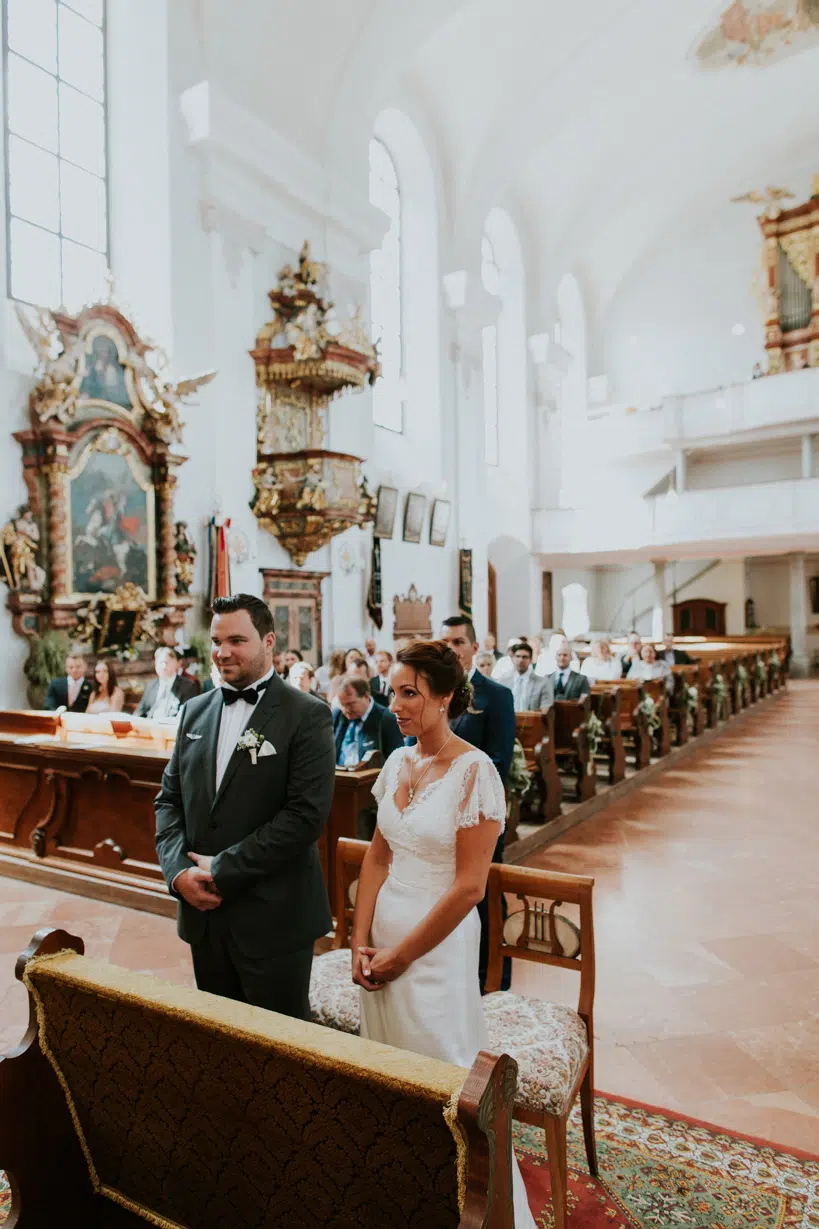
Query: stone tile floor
x=706 y=928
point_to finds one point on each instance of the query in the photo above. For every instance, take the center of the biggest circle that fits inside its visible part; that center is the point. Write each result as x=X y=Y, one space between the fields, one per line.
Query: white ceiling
x=587 y=119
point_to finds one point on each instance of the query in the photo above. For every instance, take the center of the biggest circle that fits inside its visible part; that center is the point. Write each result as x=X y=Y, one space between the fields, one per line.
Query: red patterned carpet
x=662 y=1171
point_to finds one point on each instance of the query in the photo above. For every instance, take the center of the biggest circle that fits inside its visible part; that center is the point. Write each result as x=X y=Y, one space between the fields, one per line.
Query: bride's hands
x=381 y=965
x=360 y=964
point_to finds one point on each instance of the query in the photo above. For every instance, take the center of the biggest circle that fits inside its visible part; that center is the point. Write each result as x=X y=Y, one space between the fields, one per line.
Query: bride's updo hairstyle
x=438 y=665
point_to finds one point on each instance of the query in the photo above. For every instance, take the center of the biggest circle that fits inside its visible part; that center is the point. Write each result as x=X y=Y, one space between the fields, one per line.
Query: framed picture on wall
x=414 y=513
x=439 y=523
x=385 y=511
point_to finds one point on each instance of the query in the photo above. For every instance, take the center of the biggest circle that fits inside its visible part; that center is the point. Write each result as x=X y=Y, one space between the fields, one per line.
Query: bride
x=415 y=937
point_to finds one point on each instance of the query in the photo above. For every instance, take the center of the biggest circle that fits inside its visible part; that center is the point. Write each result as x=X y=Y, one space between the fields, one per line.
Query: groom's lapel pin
x=193 y=737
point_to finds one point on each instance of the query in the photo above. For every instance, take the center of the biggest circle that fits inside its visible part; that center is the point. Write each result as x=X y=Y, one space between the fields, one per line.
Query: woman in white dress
x=415 y=937
x=107 y=696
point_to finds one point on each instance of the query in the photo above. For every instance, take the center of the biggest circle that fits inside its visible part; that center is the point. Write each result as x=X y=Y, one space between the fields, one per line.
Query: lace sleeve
x=382 y=781
x=482 y=796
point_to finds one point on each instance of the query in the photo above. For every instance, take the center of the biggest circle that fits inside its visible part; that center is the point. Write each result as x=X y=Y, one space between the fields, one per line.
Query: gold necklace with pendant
x=413 y=789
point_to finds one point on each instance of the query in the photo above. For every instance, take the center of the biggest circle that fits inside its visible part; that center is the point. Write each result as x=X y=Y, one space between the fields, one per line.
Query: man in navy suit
x=361 y=725
x=488 y=724
x=72 y=690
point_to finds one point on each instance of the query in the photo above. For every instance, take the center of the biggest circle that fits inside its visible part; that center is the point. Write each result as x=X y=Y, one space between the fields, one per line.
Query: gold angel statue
x=59 y=368
x=162 y=398
x=19 y=545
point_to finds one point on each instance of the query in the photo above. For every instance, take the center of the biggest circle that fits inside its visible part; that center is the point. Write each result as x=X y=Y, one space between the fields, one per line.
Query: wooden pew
x=678 y=708
x=633 y=723
x=160 y=1103
x=572 y=745
x=535 y=732
x=608 y=706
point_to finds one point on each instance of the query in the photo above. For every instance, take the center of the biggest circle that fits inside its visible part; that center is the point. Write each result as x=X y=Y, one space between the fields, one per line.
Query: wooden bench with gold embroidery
x=134 y=1101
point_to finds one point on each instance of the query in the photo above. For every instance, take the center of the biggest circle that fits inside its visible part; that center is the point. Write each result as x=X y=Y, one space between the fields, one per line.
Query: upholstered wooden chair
x=553 y=1045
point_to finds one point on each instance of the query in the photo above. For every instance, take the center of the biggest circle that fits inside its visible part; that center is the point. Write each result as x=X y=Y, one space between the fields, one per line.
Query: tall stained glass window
x=56 y=163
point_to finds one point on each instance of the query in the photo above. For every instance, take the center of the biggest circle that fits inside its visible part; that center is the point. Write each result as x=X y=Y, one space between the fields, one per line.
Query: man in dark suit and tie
x=72 y=690
x=675 y=657
x=568 y=684
x=244 y=800
x=165 y=695
x=360 y=725
x=380 y=689
x=488 y=723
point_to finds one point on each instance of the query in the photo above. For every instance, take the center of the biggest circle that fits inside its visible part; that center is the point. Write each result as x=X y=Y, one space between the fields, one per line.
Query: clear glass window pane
x=82 y=130
x=90 y=9
x=34 y=184
x=32 y=103
x=32 y=30
x=35 y=264
x=83 y=276
x=81 y=54
x=82 y=199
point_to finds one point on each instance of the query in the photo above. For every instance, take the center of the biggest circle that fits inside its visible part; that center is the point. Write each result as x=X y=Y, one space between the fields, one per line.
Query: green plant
x=594 y=733
x=519 y=778
x=46 y=659
x=200 y=644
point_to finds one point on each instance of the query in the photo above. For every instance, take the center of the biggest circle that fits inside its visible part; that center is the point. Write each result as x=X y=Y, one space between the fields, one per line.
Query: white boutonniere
x=256 y=744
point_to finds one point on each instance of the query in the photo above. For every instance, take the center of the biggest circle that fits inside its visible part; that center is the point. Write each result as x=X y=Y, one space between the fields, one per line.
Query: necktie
x=250 y=694
x=350 y=749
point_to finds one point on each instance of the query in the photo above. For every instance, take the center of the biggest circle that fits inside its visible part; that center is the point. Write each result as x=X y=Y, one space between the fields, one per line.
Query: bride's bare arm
x=374 y=870
x=473 y=856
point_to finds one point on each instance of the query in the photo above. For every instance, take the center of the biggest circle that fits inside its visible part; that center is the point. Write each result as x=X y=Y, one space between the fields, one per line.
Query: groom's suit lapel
x=258 y=720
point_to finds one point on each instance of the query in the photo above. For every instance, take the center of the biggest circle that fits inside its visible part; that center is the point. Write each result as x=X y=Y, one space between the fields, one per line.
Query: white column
x=680 y=473
x=800 y=662
x=658 y=608
x=807 y=456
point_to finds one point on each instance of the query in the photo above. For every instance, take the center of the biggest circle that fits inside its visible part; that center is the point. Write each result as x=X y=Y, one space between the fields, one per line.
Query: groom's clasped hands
x=196 y=884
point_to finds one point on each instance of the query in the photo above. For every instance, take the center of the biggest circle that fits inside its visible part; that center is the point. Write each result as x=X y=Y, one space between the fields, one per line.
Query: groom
x=243 y=802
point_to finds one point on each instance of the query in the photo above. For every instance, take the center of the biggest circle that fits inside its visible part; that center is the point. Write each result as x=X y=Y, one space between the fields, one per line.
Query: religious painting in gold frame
x=439 y=522
x=385 y=511
x=415 y=511
x=110 y=514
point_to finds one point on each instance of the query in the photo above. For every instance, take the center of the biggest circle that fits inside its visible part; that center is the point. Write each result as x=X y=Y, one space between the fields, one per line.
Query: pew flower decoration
x=743 y=680
x=648 y=708
x=692 y=703
x=253 y=742
x=519 y=778
x=721 y=696
x=594 y=731
x=761 y=672
x=775 y=662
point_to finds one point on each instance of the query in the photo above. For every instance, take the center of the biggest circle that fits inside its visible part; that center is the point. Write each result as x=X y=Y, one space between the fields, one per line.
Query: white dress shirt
x=563 y=677
x=232 y=722
x=520 y=690
x=165 y=703
x=596 y=668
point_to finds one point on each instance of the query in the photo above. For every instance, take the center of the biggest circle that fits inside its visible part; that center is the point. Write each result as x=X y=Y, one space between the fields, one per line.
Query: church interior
x=415 y=321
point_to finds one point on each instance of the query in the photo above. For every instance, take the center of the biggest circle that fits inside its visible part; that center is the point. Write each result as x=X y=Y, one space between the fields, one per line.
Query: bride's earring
x=443 y=708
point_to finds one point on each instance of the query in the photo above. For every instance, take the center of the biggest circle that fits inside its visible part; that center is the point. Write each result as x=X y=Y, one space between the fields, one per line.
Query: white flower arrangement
x=255 y=743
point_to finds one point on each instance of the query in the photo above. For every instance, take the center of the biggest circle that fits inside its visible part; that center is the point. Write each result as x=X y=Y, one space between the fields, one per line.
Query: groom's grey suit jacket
x=262 y=824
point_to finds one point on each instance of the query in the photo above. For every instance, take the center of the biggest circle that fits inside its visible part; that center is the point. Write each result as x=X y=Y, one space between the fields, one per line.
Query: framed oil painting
x=414 y=513
x=117 y=631
x=105 y=375
x=111 y=521
x=439 y=523
x=385 y=511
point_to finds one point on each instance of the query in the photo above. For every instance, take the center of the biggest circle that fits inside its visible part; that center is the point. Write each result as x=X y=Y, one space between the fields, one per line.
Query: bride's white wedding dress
x=434 y=1008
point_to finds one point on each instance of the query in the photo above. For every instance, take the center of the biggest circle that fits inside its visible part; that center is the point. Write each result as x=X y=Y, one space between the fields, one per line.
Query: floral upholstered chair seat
x=548 y=1041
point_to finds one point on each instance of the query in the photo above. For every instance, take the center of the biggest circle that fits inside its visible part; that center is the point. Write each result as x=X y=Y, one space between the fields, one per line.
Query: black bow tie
x=250 y=694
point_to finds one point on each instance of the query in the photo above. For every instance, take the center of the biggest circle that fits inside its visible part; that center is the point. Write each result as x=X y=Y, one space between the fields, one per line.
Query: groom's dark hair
x=462 y=621
x=260 y=613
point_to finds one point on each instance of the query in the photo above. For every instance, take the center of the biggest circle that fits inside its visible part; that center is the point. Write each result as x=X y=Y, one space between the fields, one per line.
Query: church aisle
x=707 y=930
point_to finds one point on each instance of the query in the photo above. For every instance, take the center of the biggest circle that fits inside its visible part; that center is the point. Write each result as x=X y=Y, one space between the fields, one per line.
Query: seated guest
x=290 y=658
x=361 y=725
x=369 y=654
x=485 y=664
x=674 y=656
x=380 y=688
x=165 y=695
x=333 y=668
x=601 y=663
x=568 y=684
x=72 y=690
x=631 y=653
x=529 y=692
x=360 y=670
x=301 y=676
x=278 y=664
x=504 y=670
x=490 y=645
x=351 y=657
x=106 y=696
x=648 y=667
x=546 y=661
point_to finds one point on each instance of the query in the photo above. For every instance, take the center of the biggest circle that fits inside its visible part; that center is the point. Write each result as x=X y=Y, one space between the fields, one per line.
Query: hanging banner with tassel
x=219 y=571
x=465 y=582
x=374 y=598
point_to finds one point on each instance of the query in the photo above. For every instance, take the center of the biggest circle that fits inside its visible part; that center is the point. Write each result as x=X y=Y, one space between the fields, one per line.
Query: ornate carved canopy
x=305 y=495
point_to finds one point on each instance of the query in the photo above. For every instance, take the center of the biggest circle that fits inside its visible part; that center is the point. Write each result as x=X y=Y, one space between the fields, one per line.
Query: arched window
x=56 y=167
x=385 y=291
x=490 y=277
